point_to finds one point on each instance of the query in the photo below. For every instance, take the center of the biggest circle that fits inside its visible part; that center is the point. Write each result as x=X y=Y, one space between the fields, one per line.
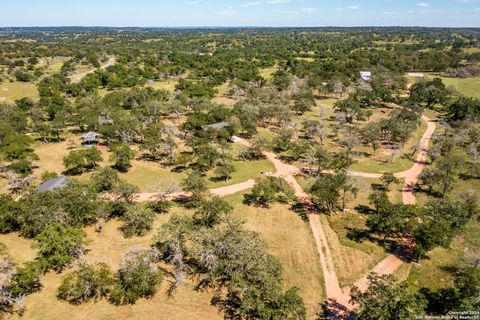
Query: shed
x=217 y=126
x=52 y=184
x=366 y=75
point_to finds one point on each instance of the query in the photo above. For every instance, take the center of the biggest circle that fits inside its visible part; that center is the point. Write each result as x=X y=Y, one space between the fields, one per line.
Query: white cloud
x=251 y=4
x=308 y=10
x=293 y=12
x=353 y=7
x=278 y=1
x=423 y=4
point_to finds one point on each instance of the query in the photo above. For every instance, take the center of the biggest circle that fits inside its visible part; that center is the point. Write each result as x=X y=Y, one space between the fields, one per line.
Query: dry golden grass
x=164 y=85
x=224 y=100
x=353 y=258
x=108 y=247
x=11 y=91
x=267 y=73
x=185 y=304
x=289 y=238
x=287 y=235
x=148 y=175
x=20 y=249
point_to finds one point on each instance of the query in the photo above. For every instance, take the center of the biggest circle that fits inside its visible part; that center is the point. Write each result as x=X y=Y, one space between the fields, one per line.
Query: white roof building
x=366 y=75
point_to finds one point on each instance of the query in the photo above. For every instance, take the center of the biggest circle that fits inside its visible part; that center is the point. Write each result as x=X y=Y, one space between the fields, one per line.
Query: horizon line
x=240 y=27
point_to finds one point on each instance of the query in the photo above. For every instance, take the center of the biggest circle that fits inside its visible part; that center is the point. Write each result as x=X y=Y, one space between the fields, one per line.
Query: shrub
x=104 y=179
x=27 y=278
x=58 y=246
x=122 y=155
x=138 y=220
x=138 y=277
x=268 y=190
x=86 y=283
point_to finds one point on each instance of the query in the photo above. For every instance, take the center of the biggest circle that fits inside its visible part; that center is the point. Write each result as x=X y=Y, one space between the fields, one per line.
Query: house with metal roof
x=58 y=182
x=90 y=138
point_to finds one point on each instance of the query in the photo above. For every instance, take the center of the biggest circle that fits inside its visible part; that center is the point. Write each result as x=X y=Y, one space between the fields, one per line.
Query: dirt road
x=392 y=262
x=338 y=297
x=77 y=77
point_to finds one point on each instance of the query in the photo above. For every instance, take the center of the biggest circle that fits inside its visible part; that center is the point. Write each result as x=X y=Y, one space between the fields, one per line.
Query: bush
x=8 y=214
x=86 y=283
x=58 y=246
x=104 y=179
x=160 y=206
x=138 y=277
x=78 y=161
x=251 y=154
x=48 y=175
x=27 y=278
x=268 y=190
x=138 y=220
x=122 y=155
x=22 y=167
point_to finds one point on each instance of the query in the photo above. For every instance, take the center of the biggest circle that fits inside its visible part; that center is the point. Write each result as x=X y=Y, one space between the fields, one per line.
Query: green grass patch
x=267 y=73
x=11 y=91
x=168 y=85
x=381 y=162
x=435 y=272
x=467 y=86
x=244 y=170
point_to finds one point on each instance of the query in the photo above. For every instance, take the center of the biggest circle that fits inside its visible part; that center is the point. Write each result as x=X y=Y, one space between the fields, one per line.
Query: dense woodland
x=294 y=92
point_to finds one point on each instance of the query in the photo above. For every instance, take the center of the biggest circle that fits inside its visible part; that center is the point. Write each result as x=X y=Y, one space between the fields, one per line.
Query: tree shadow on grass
x=218 y=179
x=299 y=208
x=362 y=209
x=389 y=245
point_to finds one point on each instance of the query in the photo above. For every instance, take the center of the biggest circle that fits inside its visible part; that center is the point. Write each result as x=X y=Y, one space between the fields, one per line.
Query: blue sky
x=453 y=13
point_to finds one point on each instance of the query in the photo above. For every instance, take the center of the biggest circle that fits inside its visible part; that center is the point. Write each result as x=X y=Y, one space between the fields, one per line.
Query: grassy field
x=11 y=91
x=289 y=239
x=381 y=162
x=353 y=258
x=20 y=249
x=469 y=86
x=146 y=175
x=287 y=235
x=436 y=271
x=267 y=73
x=52 y=65
x=244 y=170
x=168 y=85
x=305 y=59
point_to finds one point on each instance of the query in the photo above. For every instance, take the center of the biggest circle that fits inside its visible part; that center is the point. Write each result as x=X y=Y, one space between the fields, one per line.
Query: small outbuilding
x=90 y=139
x=58 y=182
x=217 y=126
x=366 y=75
